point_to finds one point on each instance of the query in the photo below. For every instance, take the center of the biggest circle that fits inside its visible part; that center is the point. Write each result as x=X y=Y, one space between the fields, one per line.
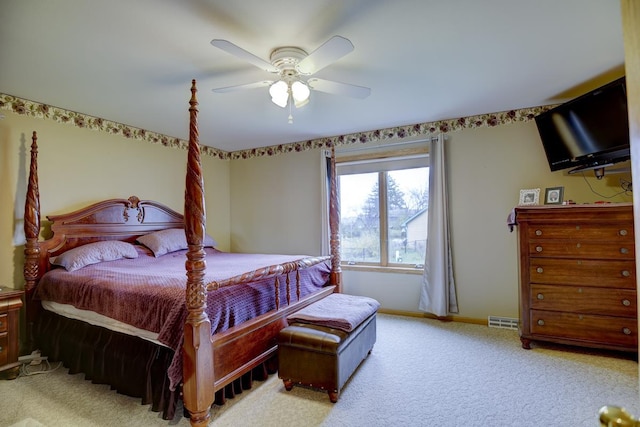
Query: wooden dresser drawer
x=577 y=275
x=585 y=231
x=4 y=348
x=583 y=272
x=10 y=303
x=582 y=249
x=613 y=331
x=585 y=300
x=4 y=322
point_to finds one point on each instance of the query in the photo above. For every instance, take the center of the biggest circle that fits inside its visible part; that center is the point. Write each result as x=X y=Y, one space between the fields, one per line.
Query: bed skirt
x=129 y=365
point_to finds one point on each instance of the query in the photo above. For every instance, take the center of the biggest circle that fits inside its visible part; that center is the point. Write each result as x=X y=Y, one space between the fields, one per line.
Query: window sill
x=379 y=269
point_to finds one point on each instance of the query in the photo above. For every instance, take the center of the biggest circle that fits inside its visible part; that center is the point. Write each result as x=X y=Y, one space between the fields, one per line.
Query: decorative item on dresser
x=577 y=275
x=10 y=303
x=529 y=197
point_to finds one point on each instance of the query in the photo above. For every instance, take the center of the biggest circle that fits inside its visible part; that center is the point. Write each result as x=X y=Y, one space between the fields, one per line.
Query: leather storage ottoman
x=323 y=357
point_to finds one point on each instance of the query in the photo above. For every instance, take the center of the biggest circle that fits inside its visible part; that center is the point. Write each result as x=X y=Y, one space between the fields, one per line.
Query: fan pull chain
x=290 y=102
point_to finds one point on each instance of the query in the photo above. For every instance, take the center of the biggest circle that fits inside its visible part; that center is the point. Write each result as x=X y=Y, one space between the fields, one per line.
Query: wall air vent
x=503 y=322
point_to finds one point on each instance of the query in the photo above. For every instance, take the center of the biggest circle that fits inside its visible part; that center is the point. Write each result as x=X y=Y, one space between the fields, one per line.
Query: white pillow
x=170 y=240
x=93 y=253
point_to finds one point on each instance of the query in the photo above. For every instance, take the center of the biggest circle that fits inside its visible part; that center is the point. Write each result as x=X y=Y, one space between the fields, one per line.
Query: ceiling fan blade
x=332 y=50
x=238 y=52
x=337 y=88
x=254 y=85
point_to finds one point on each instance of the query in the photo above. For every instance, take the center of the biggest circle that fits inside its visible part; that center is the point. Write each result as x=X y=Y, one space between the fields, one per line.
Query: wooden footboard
x=244 y=347
x=253 y=341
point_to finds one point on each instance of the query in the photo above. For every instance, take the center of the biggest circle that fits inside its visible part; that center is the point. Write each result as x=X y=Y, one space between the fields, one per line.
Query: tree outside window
x=384 y=214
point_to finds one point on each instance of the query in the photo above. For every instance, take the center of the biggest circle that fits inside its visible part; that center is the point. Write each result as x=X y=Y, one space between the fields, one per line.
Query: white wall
x=272 y=204
x=276 y=204
x=81 y=166
x=487 y=169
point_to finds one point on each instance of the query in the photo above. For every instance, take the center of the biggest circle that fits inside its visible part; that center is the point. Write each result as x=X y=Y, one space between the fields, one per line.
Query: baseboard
x=422 y=315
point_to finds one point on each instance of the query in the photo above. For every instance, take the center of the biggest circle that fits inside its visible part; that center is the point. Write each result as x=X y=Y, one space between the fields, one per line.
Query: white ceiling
x=132 y=61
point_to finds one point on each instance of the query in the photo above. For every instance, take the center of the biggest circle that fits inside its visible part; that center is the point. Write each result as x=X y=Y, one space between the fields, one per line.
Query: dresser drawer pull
x=578 y=245
x=626 y=273
x=538 y=232
x=623 y=232
x=539 y=270
x=1 y=349
x=540 y=296
x=626 y=302
x=538 y=248
x=626 y=331
x=624 y=250
x=1 y=324
x=541 y=322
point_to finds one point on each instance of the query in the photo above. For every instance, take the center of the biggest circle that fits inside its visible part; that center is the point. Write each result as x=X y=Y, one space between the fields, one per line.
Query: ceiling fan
x=293 y=65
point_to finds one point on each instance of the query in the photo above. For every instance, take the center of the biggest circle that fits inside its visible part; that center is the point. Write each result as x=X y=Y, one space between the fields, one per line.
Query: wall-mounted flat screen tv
x=589 y=132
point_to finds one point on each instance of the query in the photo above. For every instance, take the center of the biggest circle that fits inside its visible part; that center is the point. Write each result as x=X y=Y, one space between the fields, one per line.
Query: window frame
x=384 y=157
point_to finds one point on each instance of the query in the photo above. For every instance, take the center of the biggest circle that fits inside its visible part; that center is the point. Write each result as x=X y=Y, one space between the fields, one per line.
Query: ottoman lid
x=339 y=311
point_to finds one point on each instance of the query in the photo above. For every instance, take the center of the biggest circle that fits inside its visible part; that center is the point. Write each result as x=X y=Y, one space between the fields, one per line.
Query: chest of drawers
x=577 y=276
x=10 y=303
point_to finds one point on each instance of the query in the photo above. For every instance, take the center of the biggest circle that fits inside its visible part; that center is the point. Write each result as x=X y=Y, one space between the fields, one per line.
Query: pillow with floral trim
x=170 y=240
x=93 y=253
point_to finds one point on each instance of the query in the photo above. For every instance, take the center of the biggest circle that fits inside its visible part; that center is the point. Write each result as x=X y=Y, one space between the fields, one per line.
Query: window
x=383 y=210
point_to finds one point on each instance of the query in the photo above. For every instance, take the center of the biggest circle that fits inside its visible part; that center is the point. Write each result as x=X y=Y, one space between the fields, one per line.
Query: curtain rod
x=387 y=146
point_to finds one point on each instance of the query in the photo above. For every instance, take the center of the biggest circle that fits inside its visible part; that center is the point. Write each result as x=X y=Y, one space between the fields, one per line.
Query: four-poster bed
x=216 y=352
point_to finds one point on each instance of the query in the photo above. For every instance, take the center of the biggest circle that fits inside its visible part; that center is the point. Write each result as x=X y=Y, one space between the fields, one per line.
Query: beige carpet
x=421 y=373
x=28 y=422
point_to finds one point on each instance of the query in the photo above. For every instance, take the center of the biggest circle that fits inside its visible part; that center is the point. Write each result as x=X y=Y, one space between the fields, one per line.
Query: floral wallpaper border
x=44 y=111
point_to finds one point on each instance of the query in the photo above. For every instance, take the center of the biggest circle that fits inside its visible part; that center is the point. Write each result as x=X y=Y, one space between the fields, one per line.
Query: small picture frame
x=553 y=195
x=530 y=197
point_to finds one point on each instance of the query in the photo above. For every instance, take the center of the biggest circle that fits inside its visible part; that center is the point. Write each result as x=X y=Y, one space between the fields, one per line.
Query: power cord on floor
x=35 y=363
x=43 y=367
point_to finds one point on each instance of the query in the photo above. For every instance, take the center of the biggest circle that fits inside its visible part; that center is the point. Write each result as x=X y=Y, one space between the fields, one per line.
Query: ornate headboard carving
x=113 y=219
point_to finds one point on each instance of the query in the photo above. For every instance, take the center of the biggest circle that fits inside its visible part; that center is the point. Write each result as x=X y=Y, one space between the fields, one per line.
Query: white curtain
x=438 y=294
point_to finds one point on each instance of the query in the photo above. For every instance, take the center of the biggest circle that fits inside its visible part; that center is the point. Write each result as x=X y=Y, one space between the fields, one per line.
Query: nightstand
x=10 y=303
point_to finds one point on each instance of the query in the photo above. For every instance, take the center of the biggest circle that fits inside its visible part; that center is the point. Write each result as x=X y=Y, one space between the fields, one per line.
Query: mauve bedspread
x=149 y=292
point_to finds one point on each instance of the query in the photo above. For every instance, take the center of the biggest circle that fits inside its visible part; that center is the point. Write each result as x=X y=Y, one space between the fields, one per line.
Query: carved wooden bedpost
x=334 y=225
x=197 y=350
x=32 y=233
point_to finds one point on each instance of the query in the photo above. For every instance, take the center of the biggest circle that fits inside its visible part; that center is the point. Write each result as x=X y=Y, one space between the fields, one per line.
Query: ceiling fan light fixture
x=279 y=92
x=291 y=64
x=300 y=92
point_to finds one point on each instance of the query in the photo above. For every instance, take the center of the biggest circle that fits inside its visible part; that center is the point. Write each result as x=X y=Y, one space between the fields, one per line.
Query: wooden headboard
x=113 y=219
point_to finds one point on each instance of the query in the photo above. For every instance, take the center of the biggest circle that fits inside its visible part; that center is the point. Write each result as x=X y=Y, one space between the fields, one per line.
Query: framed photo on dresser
x=553 y=195
x=529 y=197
